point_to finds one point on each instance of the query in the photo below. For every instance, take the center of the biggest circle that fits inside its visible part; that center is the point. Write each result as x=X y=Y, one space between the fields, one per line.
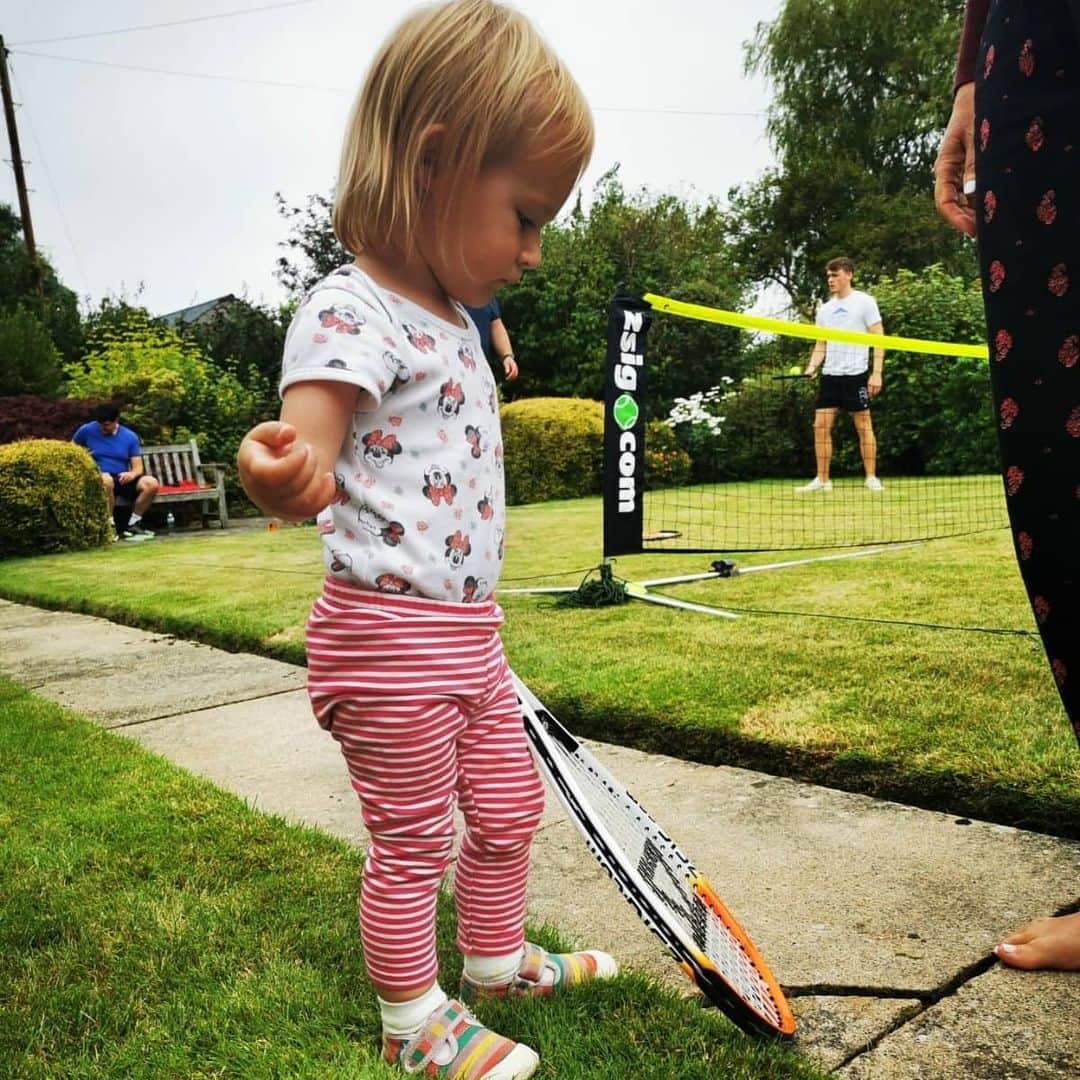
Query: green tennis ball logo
x=625 y=411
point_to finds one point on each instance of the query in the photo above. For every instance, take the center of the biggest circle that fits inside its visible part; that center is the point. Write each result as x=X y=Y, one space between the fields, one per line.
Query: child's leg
x=501 y=796
x=402 y=765
x=370 y=679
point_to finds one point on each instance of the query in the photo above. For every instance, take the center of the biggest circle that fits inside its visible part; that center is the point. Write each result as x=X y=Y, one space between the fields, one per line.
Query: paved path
x=877 y=918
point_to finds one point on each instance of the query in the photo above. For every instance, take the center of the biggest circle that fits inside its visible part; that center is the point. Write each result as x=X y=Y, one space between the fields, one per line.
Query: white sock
x=493 y=970
x=135 y=519
x=401 y=1018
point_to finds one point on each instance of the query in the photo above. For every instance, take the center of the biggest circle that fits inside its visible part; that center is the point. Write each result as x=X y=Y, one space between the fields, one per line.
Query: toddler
x=467 y=137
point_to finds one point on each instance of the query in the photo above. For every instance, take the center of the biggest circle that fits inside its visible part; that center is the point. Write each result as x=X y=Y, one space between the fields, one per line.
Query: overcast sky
x=142 y=176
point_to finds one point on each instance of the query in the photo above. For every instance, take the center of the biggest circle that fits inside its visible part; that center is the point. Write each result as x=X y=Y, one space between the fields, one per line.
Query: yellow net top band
x=812 y=333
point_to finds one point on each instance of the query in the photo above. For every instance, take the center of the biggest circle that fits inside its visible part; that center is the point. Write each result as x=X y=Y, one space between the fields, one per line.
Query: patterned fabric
x=454 y=1044
x=1027 y=130
x=420 y=501
x=418 y=695
x=543 y=973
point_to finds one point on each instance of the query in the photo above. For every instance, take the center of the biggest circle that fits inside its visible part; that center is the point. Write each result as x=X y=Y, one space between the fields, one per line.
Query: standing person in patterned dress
x=1008 y=172
x=467 y=137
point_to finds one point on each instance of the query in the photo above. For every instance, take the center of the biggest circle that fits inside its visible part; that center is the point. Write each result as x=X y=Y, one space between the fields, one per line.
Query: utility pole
x=17 y=165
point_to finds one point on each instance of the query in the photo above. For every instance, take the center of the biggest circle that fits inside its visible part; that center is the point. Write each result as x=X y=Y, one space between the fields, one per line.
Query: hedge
x=51 y=499
x=553 y=448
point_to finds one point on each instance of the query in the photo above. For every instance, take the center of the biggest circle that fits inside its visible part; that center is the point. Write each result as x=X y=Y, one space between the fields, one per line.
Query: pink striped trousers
x=418 y=695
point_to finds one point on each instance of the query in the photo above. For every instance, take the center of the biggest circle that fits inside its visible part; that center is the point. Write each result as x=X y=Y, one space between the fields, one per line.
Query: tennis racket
x=658 y=881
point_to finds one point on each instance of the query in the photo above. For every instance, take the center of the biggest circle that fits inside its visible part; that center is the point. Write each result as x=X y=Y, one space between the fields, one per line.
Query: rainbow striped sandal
x=454 y=1044
x=543 y=973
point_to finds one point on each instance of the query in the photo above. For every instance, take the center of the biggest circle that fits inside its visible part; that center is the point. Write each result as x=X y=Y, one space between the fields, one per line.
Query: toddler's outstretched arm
x=286 y=465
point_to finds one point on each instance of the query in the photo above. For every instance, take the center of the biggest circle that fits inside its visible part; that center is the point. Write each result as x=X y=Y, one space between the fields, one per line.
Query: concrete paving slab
x=1003 y=1025
x=39 y=647
x=832 y=1030
x=117 y=675
x=842 y=890
x=14 y=615
x=271 y=753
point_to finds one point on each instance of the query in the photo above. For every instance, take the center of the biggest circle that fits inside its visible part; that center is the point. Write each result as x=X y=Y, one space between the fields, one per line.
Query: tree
x=246 y=340
x=642 y=242
x=861 y=95
x=167 y=390
x=936 y=415
x=314 y=249
x=56 y=308
x=29 y=361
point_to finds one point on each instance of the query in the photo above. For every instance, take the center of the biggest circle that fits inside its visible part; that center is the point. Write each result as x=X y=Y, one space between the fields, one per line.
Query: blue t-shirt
x=111 y=453
x=483 y=317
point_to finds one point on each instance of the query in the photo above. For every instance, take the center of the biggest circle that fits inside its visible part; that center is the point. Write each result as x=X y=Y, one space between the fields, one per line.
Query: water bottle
x=170 y=519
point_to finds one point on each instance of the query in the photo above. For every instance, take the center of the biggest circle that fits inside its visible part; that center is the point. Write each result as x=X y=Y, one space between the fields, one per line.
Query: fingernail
x=1005 y=948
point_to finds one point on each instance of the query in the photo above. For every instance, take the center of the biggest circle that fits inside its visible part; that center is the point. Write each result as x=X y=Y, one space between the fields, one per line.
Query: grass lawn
x=823 y=677
x=155 y=926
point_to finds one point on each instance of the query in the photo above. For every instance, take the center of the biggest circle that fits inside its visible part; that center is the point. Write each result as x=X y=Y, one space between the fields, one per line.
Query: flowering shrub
x=699 y=425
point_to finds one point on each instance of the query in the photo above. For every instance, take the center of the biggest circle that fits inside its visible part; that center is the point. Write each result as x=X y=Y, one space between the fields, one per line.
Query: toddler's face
x=494 y=234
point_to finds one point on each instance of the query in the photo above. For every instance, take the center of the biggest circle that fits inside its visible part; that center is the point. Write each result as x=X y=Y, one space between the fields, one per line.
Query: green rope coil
x=606 y=592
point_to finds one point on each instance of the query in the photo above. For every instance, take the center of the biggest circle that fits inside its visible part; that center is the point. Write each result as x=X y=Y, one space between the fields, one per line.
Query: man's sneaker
x=453 y=1043
x=137 y=533
x=542 y=973
x=874 y=484
x=814 y=485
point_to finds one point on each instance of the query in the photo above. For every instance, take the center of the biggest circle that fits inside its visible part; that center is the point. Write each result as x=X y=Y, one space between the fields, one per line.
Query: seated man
x=117 y=453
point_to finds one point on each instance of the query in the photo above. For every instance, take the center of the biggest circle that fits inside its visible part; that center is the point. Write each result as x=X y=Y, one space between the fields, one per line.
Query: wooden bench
x=185 y=478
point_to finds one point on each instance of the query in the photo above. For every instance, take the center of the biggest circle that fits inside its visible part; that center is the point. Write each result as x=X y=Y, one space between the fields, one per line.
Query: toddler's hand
x=281 y=475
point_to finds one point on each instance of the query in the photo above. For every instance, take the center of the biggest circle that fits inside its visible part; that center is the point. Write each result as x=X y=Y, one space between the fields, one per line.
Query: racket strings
x=667 y=871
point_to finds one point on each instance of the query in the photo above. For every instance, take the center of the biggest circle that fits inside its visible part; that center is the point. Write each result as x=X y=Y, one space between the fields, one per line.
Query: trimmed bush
x=553 y=448
x=28 y=417
x=51 y=499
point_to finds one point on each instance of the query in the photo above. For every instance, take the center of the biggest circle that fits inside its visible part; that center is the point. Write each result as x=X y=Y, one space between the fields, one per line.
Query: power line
x=176 y=22
x=330 y=89
x=184 y=74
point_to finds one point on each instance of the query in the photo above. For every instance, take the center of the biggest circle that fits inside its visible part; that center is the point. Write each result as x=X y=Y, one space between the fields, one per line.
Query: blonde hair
x=482 y=71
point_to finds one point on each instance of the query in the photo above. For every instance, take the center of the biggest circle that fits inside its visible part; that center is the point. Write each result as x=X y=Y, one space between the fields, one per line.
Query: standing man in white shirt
x=846 y=379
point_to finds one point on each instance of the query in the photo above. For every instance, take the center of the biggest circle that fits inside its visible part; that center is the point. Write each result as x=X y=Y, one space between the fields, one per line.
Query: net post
x=625 y=385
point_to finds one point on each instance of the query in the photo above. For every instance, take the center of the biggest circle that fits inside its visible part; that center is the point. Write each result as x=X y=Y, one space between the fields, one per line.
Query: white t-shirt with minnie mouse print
x=420 y=496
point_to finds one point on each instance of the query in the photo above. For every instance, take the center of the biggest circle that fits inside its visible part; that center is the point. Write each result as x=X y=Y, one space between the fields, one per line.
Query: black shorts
x=124 y=493
x=846 y=392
